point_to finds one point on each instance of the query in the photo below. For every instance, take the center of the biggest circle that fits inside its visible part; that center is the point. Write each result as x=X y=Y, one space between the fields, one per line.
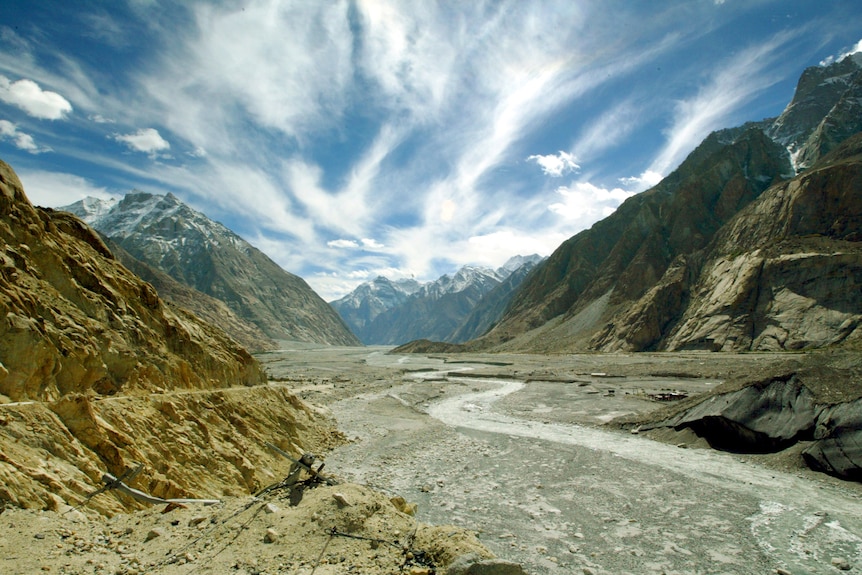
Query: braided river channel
x=511 y=459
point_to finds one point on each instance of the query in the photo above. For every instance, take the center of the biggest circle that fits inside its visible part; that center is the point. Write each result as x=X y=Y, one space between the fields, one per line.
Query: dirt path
x=565 y=498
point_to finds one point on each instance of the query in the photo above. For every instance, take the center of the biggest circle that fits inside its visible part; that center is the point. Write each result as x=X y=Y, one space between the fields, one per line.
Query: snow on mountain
x=203 y=254
x=827 y=100
x=386 y=312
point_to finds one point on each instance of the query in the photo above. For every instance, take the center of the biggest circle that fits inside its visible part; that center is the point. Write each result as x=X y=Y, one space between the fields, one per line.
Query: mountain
x=658 y=272
x=383 y=312
x=208 y=308
x=361 y=306
x=82 y=339
x=493 y=304
x=167 y=235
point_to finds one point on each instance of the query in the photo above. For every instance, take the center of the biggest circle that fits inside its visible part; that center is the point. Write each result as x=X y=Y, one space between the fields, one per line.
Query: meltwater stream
x=791 y=508
x=572 y=499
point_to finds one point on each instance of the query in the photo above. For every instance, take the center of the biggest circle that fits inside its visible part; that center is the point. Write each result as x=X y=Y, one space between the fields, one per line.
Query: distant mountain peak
x=165 y=233
x=383 y=311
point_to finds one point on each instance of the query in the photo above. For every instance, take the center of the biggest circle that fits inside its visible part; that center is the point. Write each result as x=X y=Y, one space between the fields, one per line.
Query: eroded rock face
x=771 y=415
x=786 y=273
x=759 y=418
x=838 y=446
x=191 y=443
x=99 y=374
x=73 y=320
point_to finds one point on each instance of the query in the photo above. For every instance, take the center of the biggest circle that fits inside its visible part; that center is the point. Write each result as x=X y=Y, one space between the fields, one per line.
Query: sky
x=348 y=139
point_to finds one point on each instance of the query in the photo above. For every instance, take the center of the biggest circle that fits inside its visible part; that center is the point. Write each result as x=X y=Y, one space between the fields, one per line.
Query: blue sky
x=348 y=139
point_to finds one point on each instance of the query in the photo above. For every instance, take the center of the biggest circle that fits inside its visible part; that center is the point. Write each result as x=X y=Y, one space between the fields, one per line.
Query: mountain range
x=751 y=244
x=170 y=240
x=452 y=308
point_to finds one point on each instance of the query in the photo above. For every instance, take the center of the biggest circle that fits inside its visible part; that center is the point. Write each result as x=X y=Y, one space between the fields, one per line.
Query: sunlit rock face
x=76 y=321
x=99 y=374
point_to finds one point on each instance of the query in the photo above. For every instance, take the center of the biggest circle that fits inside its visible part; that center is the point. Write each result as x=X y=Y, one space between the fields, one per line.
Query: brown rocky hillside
x=99 y=374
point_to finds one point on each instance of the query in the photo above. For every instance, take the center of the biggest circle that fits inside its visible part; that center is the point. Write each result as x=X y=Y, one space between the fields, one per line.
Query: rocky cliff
x=784 y=274
x=168 y=235
x=675 y=268
x=77 y=321
x=98 y=373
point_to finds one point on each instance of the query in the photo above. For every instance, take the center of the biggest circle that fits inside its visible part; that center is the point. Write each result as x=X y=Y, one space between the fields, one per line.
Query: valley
x=512 y=447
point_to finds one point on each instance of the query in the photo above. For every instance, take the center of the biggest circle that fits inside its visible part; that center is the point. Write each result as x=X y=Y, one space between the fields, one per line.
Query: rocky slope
x=785 y=274
x=208 y=308
x=77 y=321
x=86 y=344
x=100 y=376
x=628 y=283
x=166 y=234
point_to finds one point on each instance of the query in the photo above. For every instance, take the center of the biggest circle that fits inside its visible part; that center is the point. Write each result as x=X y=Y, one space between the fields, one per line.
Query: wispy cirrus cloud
x=730 y=85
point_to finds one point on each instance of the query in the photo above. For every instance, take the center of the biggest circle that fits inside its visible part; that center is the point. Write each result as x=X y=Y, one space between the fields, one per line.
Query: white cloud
x=584 y=203
x=371 y=244
x=56 y=189
x=343 y=244
x=556 y=165
x=100 y=119
x=22 y=141
x=27 y=95
x=147 y=140
x=365 y=243
x=643 y=182
x=857 y=47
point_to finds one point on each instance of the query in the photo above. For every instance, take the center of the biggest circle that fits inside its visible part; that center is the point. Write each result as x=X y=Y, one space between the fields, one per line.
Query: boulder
x=838 y=446
x=473 y=564
x=760 y=418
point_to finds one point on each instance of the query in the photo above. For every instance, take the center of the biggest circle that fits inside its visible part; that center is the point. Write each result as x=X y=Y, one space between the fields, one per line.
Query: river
x=565 y=498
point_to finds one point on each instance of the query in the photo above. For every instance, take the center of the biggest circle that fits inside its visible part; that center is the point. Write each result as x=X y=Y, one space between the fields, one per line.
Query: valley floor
x=511 y=447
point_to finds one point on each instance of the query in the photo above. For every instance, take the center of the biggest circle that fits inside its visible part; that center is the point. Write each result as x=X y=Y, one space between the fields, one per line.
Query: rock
x=271 y=536
x=270 y=508
x=341 y=500
x=401 y=505
x=197 y=519
x=763 y=417
x=472 y=564
x=837 y=449
x=841 y=563
x=155 y=532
